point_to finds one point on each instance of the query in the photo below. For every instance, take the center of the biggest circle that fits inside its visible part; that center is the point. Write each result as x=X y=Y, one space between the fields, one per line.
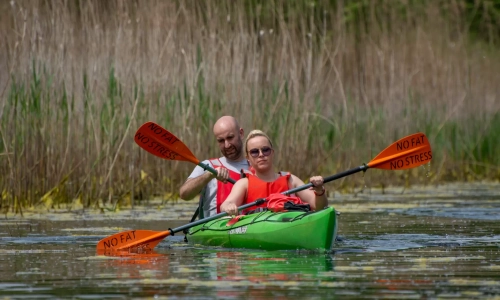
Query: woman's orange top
x=258 y=188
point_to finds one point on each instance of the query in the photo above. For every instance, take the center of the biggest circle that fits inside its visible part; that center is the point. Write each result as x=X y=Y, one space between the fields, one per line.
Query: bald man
x=215 y=189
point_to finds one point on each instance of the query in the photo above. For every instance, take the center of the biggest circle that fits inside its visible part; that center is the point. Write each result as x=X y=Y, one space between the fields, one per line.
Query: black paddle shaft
x=329 y=178
x=260 y=201
x=222 y=214
x=213 y=171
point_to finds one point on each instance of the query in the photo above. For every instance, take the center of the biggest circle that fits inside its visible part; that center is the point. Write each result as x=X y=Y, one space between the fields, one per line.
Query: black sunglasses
x=266 y=151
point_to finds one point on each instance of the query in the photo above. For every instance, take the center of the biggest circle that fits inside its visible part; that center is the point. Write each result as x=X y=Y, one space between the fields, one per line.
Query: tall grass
x=332 y=82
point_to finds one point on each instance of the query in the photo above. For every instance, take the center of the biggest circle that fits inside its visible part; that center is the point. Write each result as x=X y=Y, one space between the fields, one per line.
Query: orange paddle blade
x=139 y=240
x=147 y=242
x=162 y=143
x=408 y=152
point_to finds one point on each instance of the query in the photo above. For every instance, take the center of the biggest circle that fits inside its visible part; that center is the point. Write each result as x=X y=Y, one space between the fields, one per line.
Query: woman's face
x=260 y=153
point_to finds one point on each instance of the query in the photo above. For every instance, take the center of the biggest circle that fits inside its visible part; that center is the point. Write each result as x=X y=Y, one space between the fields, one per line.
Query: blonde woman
x=265 y=181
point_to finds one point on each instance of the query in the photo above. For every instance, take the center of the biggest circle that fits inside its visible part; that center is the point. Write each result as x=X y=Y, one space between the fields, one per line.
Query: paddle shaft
x=163 y=234
x=222 y=214
x=378 y=162
x=213 y=171
x=328 y=179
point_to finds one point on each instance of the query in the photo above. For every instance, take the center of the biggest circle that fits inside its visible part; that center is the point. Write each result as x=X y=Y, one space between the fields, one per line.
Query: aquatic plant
x=331 y=82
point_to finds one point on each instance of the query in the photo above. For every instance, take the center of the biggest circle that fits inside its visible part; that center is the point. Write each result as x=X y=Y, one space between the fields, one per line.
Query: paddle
x=162 y=143
x=145 y=240
x=408 y=152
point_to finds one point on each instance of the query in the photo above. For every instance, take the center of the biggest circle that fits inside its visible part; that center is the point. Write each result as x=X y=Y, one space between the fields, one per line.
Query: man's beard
x=232 y=153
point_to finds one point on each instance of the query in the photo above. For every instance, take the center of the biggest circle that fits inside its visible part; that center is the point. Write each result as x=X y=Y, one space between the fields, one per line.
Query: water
x=425 y=243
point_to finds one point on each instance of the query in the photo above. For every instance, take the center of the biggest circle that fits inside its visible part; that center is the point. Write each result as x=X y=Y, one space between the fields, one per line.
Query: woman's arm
x=236 y=197
x=315 y=196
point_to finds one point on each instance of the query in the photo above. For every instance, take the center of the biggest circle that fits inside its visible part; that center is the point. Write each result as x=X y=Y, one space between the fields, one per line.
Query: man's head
x=229 y=137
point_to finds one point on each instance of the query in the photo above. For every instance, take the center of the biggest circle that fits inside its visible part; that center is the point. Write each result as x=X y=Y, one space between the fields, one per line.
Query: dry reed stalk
x=315 y=80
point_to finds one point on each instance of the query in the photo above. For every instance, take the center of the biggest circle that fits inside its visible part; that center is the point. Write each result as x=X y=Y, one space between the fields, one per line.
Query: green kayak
x=292 y=230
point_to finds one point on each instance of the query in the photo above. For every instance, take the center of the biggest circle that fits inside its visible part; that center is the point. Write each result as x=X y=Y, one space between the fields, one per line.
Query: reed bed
x=332 y=82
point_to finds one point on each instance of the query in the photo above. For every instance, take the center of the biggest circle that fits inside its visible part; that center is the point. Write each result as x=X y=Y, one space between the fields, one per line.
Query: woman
x=265 y=181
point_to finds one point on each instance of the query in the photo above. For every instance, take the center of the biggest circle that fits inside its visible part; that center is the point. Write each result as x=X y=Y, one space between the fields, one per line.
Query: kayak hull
x=270 y=231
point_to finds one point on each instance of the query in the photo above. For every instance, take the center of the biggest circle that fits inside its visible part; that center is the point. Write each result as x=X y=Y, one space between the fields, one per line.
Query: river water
x=432 y=242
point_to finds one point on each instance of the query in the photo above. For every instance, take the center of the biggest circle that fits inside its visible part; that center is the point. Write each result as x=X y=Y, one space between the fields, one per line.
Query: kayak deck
x=270 y=231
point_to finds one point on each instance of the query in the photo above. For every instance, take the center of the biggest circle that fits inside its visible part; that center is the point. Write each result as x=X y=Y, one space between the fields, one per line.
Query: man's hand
x=222 y=174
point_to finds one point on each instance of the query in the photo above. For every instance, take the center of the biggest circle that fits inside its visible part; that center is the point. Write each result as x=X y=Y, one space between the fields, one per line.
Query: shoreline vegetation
x=332 y=82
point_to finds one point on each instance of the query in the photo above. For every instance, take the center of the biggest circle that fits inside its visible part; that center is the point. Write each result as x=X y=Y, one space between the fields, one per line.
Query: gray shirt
x=209 y=192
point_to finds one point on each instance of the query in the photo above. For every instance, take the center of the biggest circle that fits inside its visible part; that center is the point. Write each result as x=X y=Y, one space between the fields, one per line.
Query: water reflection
x=421 y=245
x=264 y=266
x=232 y=274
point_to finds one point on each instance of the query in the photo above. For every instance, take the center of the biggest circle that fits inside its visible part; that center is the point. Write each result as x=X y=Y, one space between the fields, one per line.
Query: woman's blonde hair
x=255 y=133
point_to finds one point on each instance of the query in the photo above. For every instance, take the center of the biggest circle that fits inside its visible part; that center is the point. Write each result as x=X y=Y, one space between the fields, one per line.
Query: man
x=215 y=189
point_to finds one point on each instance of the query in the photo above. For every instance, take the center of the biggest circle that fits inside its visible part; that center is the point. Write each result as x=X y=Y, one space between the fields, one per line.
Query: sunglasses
x=266 y=151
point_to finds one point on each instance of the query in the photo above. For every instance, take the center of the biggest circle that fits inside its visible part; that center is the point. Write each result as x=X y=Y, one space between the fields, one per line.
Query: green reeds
x=333 y=84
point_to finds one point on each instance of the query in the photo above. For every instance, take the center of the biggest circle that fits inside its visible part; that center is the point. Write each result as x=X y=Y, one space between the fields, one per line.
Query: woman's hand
x=318 y=187
x=235 y=198
x=230 y=208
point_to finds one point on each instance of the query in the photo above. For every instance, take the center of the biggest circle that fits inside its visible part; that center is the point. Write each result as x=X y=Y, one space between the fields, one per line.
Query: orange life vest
x=258 y=188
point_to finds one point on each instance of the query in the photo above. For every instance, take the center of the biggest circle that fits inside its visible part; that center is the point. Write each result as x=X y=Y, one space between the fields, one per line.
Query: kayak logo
x=239 y=230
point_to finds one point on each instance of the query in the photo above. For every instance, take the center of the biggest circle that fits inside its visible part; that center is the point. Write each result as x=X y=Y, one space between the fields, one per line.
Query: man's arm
x=193 y=186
